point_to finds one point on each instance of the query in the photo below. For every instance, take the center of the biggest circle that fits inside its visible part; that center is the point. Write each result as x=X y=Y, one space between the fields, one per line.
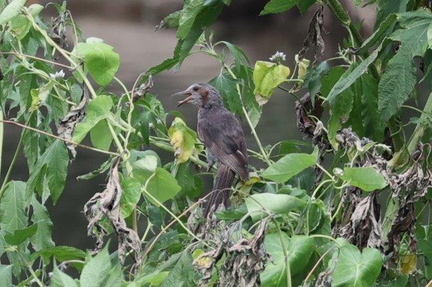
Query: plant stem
x=420 y=128
x=57 y=137
x=169 y=148
x=253 y=131
x=11 y=165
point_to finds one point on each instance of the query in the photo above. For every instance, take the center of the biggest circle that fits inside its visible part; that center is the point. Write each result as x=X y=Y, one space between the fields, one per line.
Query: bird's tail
x=220 y=192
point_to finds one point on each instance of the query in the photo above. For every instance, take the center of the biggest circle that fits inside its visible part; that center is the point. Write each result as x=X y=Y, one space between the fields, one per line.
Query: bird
x=222 y=135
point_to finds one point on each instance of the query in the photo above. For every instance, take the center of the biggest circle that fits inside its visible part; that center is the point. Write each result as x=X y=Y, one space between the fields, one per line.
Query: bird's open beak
x=183 y=93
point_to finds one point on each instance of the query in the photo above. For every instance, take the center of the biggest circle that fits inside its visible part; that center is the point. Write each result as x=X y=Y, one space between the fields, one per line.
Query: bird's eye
x=195 y=88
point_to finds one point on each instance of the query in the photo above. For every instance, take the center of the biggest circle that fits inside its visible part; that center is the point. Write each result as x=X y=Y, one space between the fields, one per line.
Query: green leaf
x=371 y=118
x=226 y=85
x=278 y=6
x=396 y=84
x=304 y=5
x=266 y=77
x=97 y=110
x=400 y=77
x=313 y=78
x=42 y=239
x=130 y=196
x=50 y=171
x=365 y=178
x=357 y=269
x=95 y=272
x=13 y=207
x=182 y=138
x=60 y=253
x=183 y=273
x=350 y=76
x=20 y=235
x=6 y=275
x=60 y=279
x=100 y=135
x=299 y=250
x=288 y=166
x=11 y=10
x=379 y=34
x=100 y=60
x=260 y=204
x=162 y=186
x=188 y=15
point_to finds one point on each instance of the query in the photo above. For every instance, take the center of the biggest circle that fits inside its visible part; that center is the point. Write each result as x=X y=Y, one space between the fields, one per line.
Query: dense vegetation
x=348 y=206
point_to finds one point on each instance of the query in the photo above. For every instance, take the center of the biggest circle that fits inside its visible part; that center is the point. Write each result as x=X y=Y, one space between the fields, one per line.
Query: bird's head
x=201 y=95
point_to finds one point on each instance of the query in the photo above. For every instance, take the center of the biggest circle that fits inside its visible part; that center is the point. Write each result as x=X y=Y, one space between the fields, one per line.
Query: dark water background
x=129 y=27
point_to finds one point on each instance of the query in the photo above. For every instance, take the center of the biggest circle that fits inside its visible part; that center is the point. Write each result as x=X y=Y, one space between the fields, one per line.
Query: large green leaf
x=357 y=269
x=365 y=178
x=60 y=279
x=299 y=250
x=97 y=110
x=11 y=10
x=12 y=207
x=60 y=253
x=288 y=166
x=99 y=59
x=162 y=186
x=350 y=76
x=371 y=118
x=50 y=171
x=6 y=275
x=95 y=272
x=400 y=77
x=42 y=239
x=278 y=6
x=100 y=135
x=226 y=86
x=183 y=273
x=260 y=204
x=130 y=196
x=187 y=17
x=20 y=235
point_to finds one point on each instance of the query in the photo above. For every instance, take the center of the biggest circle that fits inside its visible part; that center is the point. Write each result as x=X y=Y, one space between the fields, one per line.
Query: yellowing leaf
x=183 y=139
x=408 y=263
x=266 y=77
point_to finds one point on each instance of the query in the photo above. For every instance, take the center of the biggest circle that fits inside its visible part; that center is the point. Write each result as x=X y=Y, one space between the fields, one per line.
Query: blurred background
x=129 y=26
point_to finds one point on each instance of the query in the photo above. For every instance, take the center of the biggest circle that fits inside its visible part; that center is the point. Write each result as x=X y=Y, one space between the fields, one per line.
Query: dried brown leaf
x=107 y=203
x=314 y=38
x=67 y=125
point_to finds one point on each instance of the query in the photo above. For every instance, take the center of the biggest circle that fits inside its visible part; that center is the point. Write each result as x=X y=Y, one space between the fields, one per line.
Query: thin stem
x=421 y=127
x=59 y=138
x=253 y=131
x=12 y=164
x=38 y=59
x=169 y=148
x=167 y=209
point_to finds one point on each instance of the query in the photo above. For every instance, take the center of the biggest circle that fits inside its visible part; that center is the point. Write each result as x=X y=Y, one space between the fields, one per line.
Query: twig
x=59 y=138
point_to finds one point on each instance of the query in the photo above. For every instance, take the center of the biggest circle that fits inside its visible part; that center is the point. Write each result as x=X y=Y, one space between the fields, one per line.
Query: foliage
x=310 y=216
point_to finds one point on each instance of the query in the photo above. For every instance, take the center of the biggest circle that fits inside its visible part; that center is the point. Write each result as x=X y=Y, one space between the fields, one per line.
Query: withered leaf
x=107 y=203
x=314 y=38
x=67 y=125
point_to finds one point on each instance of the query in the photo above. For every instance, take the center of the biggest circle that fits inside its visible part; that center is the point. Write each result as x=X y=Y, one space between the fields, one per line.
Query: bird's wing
x=224 y=138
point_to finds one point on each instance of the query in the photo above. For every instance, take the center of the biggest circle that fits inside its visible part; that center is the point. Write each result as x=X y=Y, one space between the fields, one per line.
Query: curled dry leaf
x=314 y=38
x=107 y=203
x=364 y=226
x=67 y=125
x=58 y=29
x=142 y=90
x=245 y=258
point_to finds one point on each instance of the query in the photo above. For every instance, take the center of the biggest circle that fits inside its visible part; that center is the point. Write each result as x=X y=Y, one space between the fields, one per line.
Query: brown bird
x=223 y=136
